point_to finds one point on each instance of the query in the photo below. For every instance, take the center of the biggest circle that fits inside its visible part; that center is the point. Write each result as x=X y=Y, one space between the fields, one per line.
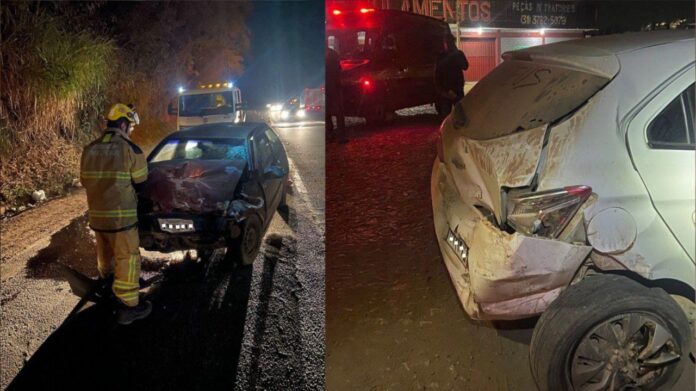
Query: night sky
x=287 y=51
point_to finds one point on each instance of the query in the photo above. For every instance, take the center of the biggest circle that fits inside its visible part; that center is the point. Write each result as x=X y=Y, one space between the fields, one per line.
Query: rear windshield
x=188 y=149
x=520 y=95
x=352 y=44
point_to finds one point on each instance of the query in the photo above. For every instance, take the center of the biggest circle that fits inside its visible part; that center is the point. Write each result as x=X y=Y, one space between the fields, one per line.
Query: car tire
x=245 y=247
x=283 y=204
x=568 y=339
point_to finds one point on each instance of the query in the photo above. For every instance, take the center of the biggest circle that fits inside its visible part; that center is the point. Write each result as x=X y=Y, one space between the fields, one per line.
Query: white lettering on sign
x=469 y=10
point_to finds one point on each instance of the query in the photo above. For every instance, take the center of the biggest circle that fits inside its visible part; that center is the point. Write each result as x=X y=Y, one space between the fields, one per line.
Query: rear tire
x=245 y=247
x=598 y=328
x=283 y=204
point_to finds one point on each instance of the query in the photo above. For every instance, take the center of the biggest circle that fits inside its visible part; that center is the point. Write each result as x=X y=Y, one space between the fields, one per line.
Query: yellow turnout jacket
x=110 y=166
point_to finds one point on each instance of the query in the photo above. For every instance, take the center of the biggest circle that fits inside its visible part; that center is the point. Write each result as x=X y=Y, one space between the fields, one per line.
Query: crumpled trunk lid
x=197 y=186
x=494 y=137
x=482 y=168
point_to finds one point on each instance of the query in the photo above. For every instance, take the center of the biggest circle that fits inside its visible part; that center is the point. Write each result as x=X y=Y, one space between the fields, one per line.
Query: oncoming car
x=213 y=186
x=577 y=205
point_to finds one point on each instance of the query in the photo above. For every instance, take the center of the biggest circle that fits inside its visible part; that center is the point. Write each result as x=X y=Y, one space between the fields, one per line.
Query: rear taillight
x=347 y=65
x=366 y=83
x=545 y=213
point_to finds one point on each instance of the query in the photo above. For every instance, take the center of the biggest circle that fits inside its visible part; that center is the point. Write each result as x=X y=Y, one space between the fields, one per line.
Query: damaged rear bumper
x=503 y=276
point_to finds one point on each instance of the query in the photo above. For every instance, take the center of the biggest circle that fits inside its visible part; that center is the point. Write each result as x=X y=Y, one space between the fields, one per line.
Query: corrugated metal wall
x=481 y=55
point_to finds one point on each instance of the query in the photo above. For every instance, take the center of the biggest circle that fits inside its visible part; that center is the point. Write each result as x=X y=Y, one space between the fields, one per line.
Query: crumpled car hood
x=197 y=186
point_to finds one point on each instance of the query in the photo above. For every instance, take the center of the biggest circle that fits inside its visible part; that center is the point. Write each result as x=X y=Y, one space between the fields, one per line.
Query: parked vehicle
x=578 y=204
x=213 y=186
x=314 y=102
x=209 y=104
x=387 y=59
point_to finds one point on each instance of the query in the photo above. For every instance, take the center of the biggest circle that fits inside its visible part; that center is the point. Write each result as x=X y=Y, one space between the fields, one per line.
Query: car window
x=672 y=128
x=276 y=144
x=264 y=152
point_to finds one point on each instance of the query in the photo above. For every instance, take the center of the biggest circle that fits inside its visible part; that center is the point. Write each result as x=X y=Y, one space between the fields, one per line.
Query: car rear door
x=661 y=140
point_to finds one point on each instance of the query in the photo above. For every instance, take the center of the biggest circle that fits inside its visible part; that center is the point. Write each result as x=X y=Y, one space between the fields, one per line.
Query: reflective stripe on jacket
x=110 y=166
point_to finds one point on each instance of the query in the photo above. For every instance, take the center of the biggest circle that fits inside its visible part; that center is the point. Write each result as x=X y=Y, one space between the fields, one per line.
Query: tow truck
x=219 y=102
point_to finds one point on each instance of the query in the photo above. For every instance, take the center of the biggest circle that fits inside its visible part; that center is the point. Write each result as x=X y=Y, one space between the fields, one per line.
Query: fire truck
x=219 y=102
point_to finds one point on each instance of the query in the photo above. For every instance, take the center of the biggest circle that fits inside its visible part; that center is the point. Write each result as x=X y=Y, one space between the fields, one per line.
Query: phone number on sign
x=543 y=20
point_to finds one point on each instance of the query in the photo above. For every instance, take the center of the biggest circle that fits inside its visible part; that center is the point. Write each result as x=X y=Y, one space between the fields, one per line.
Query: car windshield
x=352 y=44
x=192 y=149
x=206 y=104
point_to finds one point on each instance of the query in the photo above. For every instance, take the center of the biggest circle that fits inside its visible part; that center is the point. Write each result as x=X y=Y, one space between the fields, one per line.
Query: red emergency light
x=366 y=10
x=336 y=12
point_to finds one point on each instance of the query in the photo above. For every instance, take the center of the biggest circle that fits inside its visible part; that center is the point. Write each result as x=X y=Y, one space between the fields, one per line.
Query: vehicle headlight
x=301 y=113
x=284 y=114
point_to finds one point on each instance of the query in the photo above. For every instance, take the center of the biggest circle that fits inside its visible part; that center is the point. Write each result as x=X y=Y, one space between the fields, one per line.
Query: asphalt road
x=214 y=325
x=393 y=320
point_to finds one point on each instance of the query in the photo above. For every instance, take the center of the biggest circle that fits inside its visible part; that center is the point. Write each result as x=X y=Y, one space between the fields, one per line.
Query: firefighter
x=449 y=75
x=111 y=167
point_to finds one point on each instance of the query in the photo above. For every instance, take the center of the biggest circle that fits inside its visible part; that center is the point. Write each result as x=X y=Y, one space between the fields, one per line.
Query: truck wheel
x=609 y=332
x=245 y=247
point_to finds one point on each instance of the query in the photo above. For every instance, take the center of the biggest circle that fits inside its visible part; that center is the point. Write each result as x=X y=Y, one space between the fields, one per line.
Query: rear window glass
x=520 y=95
x=672 y=128
x=187 y=149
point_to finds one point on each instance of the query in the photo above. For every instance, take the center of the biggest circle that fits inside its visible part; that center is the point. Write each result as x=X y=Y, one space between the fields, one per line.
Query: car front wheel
x=245 y=247
x=609 y=332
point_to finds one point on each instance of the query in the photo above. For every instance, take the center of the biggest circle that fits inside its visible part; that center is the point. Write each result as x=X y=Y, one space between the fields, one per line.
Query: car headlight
x=284 y=114
x=301 y=113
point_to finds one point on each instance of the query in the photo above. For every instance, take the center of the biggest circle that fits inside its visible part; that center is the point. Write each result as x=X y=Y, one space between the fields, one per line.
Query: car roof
x=220 y=131
x=601 y=55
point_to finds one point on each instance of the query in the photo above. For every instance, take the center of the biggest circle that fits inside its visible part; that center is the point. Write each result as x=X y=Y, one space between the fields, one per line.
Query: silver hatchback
x=564 y=187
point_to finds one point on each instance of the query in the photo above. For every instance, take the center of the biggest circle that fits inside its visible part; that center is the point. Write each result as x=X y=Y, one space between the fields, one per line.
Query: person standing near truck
x=110 y=168
x=449 y=75
x=334 y=96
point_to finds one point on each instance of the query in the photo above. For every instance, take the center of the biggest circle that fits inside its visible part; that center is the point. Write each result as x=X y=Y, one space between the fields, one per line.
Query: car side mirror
x=172 y=110
x=274 y=172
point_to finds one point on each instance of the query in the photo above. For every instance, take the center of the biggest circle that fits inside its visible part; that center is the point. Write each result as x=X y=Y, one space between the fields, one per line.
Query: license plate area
x=176 y=225
x=460 y=248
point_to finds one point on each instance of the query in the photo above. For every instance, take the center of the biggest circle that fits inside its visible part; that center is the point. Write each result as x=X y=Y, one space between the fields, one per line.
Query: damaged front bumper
x=500 y=276
x=161 y=232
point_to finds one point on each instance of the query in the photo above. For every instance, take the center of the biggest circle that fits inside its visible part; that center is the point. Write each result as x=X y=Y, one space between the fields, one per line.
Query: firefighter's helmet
x=119 y=110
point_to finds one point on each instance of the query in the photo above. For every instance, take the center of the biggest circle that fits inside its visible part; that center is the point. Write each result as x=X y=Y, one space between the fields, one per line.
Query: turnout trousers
x=118 y=253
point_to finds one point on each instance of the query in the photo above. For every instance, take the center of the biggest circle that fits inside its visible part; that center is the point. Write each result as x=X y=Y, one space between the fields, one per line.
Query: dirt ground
x=393 y=319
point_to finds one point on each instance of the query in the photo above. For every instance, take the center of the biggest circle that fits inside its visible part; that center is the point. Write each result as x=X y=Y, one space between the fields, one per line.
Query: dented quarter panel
x=589 y=148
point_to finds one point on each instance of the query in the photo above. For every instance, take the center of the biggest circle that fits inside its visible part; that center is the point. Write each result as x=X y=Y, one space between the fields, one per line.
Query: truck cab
x=208 y=104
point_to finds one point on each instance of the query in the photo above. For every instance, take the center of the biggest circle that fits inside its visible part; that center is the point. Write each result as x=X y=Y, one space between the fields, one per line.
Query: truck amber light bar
x=215 y=85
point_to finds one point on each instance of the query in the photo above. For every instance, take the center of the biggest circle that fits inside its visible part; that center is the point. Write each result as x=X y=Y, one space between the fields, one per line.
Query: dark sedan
x=213 y=186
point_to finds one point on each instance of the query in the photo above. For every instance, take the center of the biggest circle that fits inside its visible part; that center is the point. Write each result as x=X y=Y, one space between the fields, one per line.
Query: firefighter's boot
x=126 y=315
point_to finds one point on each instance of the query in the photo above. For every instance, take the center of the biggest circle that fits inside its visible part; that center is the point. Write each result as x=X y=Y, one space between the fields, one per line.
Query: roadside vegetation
x=64 y=64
